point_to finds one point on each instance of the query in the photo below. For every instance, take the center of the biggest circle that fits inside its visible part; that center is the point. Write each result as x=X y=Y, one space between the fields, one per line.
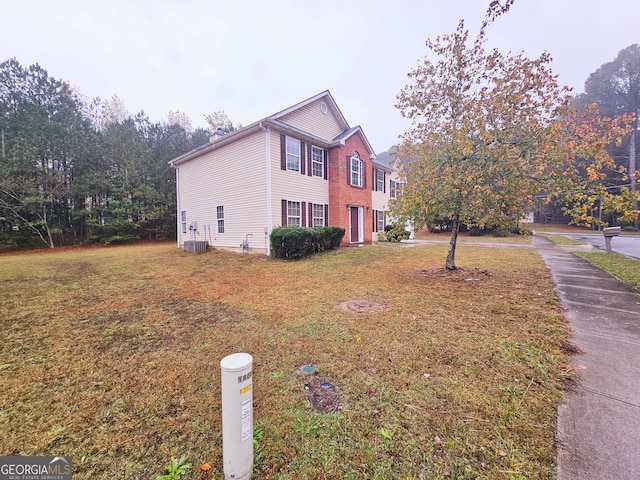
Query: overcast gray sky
x=254 y=58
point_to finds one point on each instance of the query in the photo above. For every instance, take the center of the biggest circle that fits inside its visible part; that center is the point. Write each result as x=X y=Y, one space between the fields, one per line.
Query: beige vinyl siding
x=311 y=119
x=394 y=176
x=288 y=185
x=232 y=176
x=380 y=200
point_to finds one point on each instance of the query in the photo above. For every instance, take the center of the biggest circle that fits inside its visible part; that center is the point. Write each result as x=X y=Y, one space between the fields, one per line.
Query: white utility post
x=237 y=416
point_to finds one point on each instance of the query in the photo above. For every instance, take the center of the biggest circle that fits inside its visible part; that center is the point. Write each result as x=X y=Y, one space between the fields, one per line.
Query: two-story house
x=302 y=166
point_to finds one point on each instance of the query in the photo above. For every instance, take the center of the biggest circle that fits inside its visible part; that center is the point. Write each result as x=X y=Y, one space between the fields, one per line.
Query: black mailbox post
x=609 y=233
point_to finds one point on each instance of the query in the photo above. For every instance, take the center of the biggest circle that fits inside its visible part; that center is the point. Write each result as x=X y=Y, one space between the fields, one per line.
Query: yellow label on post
x=245 y=389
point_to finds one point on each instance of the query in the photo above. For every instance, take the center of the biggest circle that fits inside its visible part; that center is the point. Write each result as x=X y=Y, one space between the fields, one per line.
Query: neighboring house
x=386 y=162
x=302 y=166
x=383 y=186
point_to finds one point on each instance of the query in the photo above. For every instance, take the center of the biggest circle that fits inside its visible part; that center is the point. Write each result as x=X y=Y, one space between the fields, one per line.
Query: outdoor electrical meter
x=237 y=416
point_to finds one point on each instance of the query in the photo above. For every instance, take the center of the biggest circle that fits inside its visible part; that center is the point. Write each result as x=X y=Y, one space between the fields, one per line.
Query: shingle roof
x=274 y=120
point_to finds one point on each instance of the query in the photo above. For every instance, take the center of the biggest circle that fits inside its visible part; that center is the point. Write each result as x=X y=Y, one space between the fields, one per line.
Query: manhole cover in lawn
x=362 y=306
x=323 y=396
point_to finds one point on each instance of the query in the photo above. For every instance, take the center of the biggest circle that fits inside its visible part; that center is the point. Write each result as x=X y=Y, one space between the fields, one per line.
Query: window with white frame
x=355 y=170
x=380 y=180
x=294 y=214
x=392 y=188
x=317 y=162
x=380 y=220
x=293 y=154
x=318 y=215
x=183 y=220
x=220 y=218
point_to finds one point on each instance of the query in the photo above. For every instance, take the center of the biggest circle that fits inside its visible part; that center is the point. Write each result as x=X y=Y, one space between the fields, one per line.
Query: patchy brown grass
x=112 y=356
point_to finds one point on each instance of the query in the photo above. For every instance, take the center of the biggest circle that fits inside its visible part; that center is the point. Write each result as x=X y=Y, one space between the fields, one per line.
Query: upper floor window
x=220 y=218
x=393 y=189
x=317 y=162
x=293 y=154
x=355 y=170
x=380 y=180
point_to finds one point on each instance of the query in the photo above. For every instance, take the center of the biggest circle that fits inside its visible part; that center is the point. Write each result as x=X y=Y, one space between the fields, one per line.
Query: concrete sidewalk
x=599 y=423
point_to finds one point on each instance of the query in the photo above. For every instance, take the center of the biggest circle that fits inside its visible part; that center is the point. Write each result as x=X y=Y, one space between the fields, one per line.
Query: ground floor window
x=380 y=220
x=294 y=214
x=318 y=215
x=220 y=218
x=183 y=220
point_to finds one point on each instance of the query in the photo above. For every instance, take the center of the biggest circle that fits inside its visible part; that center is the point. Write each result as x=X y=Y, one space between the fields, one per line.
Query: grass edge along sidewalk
x=625 y=269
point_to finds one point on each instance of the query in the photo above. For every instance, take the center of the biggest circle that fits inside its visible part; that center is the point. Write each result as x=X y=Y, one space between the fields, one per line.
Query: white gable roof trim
x=342 y=138
x=328 y=98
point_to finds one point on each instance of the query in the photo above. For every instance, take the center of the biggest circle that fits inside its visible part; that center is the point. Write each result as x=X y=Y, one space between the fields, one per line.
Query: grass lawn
x=112 y=355
x=626 y=269
x=560 y=239
x=464 y=237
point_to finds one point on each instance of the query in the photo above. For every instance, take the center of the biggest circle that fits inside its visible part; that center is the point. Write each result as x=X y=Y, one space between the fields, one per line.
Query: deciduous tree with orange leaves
x=490 y=132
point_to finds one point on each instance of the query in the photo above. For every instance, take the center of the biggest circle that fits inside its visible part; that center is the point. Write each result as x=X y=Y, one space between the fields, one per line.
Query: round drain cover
x=362 y=306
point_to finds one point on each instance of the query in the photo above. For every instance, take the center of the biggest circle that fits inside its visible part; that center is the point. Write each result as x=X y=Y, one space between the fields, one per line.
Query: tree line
x=487 y=145
x=74 y=171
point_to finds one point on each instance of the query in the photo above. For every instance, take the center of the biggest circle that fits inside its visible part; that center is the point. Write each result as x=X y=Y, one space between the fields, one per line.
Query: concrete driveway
x=624 y=244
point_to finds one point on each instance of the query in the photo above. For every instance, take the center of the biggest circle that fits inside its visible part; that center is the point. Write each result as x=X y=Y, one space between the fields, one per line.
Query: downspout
x=267 y=131
x=178 y=223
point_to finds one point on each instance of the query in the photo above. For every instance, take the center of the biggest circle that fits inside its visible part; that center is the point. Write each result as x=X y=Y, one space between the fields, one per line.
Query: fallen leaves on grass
x=117 y=351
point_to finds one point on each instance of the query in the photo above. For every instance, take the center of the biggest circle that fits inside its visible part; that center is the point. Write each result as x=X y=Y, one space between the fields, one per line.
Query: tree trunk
x=46 y=226
x=451 y=256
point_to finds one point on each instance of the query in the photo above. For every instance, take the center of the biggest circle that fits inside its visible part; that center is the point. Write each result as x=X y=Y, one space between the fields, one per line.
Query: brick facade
x=342 y=196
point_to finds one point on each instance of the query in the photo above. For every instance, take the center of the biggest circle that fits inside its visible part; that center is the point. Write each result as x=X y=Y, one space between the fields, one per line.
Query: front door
x=355 y=224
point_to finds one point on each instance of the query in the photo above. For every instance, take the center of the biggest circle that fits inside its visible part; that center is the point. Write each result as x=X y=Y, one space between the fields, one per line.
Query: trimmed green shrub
x=333 y=235
x=298 y=242
x=518 y=230
x=395 y=232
